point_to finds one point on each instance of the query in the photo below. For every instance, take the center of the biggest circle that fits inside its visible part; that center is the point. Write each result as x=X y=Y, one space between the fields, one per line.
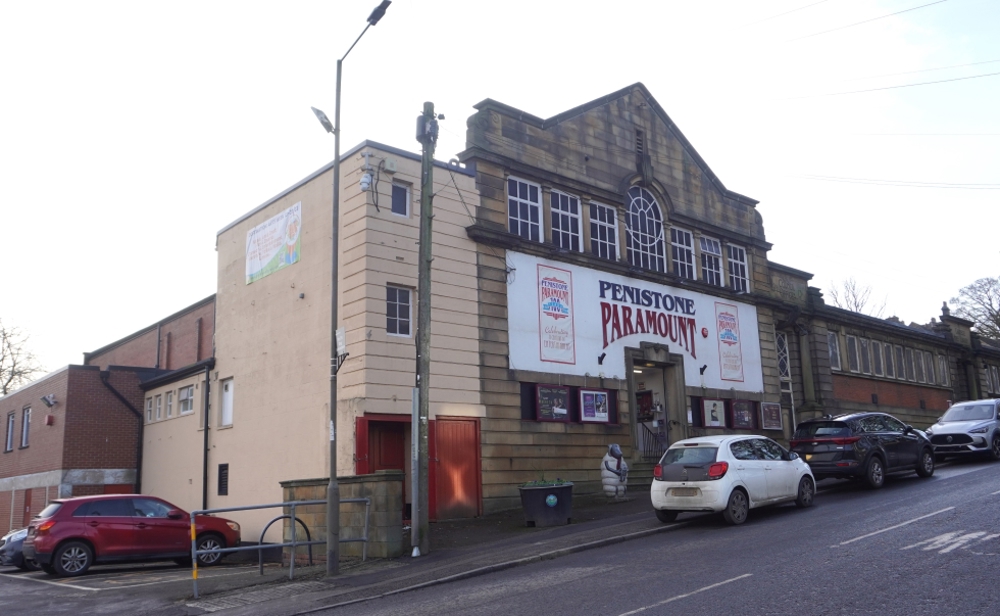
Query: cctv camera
x=49 y=400
x=366 y=182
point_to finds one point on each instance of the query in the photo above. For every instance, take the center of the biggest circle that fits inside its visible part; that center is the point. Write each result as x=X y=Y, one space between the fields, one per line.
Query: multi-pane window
x=25 y=425
x=644 y=231
x=603 y=231
x=397 y=310
x=866 y=357
x=682 y=252
x=711 y=261
x=524 y=209
x=910 y=373
x=159 y=407
x=784 y=366
x=889 y=364
x=566 y=228
x=834 y=347
x=401 y=199
x=170 y=404
x=149 y=410
x=8 y=444
x=929 y=367
x=900 y=363
x=185 y=400
x=738 y=279
x=877 y=358
x=852 y=354
x=918 y=363
x=942 y=369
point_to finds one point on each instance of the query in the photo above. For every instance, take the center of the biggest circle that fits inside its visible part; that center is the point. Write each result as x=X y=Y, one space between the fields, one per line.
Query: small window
x=929 y=367
x=900 y=363
x=223 y=479
x=833 y=346
x=784 y=367
x=226 y=416
x=877 y=358
x=400 y=199
x=149 y=410
x=910 y=372
x=866 y=356
x=682 y=252
x=996 y=379
x=918 y=363
x=889 y=364
x=9 y=442
x=942 y=370
x=738 y=277
x=604 y=231
x=159 y=408
x=397 y=311
x=524 y=206
x=566 y=229
x=711 y=261
x=25 y=425
x=852 y=354
x=170 y=404
x=185 y=400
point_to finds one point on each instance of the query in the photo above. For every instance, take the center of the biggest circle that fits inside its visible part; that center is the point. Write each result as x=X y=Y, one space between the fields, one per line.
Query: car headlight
x=234 y=526
x=21 y=534
x=980 y=430
x=929 y=430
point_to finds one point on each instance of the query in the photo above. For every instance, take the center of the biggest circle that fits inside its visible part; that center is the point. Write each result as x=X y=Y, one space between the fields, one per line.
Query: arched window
x=645 y=231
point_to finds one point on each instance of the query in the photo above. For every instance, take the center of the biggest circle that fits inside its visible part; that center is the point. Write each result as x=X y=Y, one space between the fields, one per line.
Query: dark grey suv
x=865 y=446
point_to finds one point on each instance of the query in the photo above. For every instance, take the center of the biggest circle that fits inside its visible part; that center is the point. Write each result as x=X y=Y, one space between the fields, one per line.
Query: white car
x=732 y=474
x=968 y=428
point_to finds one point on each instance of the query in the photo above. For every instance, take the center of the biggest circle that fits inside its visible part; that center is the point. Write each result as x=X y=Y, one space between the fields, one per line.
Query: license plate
x=684 y=491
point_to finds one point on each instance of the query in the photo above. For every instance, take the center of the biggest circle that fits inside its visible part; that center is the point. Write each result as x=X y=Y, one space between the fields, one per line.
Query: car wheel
x=807 y=490
x=995 y=447
x=28 y=565
x=72 y=559
x=48 y=569
x=666 y=516
x=926 y=466
x=875 y=473
x=210 y=542
x=737 y=508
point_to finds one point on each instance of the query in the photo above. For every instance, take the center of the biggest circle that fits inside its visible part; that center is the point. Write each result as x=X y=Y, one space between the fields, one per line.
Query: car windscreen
x=689 y=455
x=822 y=429
x=49 y=511
x=969 y=412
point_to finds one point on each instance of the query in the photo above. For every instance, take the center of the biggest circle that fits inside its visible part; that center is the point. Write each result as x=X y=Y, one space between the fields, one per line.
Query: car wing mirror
x=907 y=429
x=175 y=514
x=792 y=455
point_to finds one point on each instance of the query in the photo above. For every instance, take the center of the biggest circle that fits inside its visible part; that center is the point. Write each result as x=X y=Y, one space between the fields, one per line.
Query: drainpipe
x=204 y=454
x=138 y=449
x=158 y=327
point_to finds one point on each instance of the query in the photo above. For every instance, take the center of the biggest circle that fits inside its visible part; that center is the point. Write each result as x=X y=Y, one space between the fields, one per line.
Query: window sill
x=229 y=427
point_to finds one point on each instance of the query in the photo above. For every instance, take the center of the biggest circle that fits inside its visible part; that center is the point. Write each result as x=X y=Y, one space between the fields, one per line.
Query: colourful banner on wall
x=727 y=321
x=274 y=244
x=557 y=342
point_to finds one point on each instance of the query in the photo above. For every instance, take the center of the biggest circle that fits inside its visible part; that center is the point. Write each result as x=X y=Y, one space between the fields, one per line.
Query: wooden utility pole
x=427 y=133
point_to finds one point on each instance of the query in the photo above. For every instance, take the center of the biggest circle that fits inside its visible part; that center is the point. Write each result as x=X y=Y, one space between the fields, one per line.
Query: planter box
x=547 y=505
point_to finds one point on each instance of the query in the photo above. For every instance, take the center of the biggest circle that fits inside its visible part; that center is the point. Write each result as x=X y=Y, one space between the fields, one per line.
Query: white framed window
x=711 y=260
x=644 y=231
x=877 y=358
x=524 y=209
x=400 y=199
x=900 y=363
x=565 y=215
x=918 y=364
x=943 y=370
x=25 y=425
x=889 y=363
x=397 y=311
x=8 y=444
x=929 y=367
x=866 y=356
x=149 y=410
x=170 y=404
x=682 y=252
x=226 y=416
x=853 y=364
x=738 y=277
x=159 y=407
x=604 y=231
x=910 y=370
x=833 y=346
x=185 y=400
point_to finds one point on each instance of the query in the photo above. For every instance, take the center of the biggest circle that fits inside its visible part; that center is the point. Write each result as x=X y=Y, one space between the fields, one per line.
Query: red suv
x=72 y=534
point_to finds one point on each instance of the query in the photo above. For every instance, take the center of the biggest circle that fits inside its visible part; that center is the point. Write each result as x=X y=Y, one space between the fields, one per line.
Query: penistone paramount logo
x=555 y=297
x=728 y=328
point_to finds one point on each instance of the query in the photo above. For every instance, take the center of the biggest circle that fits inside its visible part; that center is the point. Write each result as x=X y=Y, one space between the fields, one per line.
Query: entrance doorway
x=652 y=424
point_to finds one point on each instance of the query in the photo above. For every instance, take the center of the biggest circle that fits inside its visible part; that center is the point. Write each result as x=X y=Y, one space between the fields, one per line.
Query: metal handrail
x=651 y=443
x=294 y=543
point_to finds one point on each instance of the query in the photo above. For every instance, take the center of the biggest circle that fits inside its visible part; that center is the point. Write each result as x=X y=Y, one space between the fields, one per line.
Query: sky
x=132 y=132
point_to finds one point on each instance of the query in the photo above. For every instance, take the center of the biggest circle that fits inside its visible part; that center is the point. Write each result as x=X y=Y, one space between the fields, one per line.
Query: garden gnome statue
x=614 y=473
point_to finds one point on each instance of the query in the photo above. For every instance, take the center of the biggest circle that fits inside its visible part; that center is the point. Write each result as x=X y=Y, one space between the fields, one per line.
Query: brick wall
x=44 y=450
x=900 y=399
x=101 y=432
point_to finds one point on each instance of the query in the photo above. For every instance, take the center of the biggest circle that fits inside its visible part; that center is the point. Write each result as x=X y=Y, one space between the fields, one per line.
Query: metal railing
x=652 y=444
x=260 y=547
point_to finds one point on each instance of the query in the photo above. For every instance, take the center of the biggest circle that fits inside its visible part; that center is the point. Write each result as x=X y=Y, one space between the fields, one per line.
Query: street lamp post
x=337 y=352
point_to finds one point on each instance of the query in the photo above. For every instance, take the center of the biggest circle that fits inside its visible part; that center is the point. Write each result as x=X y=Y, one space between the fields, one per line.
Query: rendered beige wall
x=171 y=449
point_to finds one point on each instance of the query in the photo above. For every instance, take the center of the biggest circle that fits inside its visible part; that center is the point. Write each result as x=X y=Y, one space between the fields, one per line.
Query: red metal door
x=457 y=490
x=27 y=507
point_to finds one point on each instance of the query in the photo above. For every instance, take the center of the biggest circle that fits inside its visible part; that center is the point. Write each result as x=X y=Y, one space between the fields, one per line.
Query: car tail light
x=658 y=472
x=846 y=440
x=718 y=470
x=45 y=526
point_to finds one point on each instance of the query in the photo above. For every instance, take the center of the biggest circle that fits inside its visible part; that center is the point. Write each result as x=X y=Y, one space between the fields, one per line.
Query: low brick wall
x=385 y=525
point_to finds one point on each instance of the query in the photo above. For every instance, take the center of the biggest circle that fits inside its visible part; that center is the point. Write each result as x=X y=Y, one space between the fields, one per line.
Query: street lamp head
x=325 y=121
x=378 y=12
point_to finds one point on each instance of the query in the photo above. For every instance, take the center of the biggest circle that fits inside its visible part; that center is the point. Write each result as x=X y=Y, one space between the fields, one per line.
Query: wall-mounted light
x=600 y=359
x=702 y=369
x=49 y=400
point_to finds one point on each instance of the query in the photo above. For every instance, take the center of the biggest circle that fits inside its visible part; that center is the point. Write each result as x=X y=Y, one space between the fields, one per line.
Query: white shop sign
x=562 y=317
